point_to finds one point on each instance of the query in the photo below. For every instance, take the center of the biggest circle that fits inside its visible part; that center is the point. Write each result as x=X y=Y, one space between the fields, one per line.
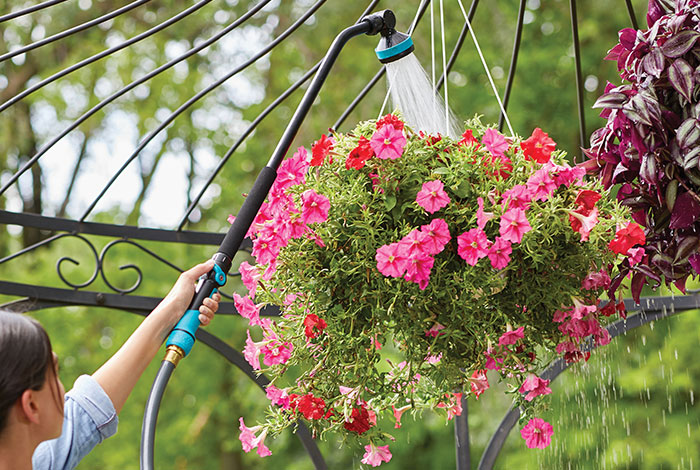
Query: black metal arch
x=75 y=293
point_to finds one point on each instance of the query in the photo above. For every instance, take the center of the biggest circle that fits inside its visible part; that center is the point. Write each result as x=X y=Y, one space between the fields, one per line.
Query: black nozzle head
x=381 y=22
x=394 y=47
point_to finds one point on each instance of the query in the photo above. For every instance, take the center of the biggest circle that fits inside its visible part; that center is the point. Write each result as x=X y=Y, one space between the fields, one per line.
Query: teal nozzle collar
x=396 y=51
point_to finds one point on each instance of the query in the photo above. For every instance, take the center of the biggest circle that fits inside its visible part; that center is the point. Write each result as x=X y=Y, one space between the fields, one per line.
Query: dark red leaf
x=680 y=43
x=653 y=62
x=638 y=281
x=611 y=100
x=681 y=76
x=685 y=211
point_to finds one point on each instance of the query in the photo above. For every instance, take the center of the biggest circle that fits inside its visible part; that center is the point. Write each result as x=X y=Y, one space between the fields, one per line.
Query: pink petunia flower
x=432 y=197
x=398 y=412
x=514 y=225
x=247 y=309
x=566 y=175
x=596 y=280
x=250 y=276
x=437 y=236
x=251 y=352
x=481 y=216
x=265 y=249
x=376 y=455
x=499 y=253
x=473 y=245
x=249 y=441
x=418 y=270
x=537 y=433
x=388 y=142
x=635 y=255
x=278 y=396
x=541 y=185
x=414 y=244
x=511 y=337
x=315 y=207
x=453 y=406
x=275 y=351
x=292 y=171
x=584 y=223
x=534 y=386
x=434 y=330
x=517 y=197
x=391 y=261
x=479 y=382
x=495 y=142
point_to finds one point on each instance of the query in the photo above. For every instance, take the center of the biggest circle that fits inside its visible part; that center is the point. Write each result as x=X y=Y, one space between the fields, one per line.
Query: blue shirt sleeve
x=89 y=418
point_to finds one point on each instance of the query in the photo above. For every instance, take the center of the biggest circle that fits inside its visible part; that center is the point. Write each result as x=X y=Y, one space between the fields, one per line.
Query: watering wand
x=181 y=340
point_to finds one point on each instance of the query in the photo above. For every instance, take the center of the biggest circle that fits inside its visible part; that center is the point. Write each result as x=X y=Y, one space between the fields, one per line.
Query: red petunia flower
x=359 y=155
x=626 y=238
x=360 y=420
x=313 y=326
x=320 y=150
x=311 y=407
x=390 y=119
x=538 y=146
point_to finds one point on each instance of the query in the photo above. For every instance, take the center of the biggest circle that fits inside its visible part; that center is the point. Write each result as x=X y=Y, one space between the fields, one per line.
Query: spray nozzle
x=381 y=22
x=393 y=45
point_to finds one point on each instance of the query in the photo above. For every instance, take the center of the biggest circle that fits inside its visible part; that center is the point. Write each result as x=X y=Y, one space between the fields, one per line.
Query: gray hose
x=150 y=416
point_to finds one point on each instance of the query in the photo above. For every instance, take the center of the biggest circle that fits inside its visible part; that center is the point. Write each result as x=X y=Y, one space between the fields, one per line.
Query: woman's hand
x=180 y=296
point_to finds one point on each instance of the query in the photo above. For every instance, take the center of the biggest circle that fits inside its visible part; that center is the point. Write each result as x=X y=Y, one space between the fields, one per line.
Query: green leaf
x=389 y=202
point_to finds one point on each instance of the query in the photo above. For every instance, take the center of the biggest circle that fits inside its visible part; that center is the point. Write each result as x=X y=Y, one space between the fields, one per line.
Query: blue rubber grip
x=183 y=333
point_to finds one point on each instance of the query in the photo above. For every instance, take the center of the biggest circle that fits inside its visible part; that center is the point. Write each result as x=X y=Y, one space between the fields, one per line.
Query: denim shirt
x=88 y=418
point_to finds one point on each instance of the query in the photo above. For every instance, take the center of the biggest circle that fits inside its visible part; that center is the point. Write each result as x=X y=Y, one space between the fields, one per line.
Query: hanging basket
x=407 y=265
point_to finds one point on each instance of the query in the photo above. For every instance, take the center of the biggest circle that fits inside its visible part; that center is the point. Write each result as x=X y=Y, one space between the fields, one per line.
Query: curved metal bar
x=579 y=78
x=28 y=10
x=655 y=308
x=423 y=6
x=76 y=263
x=462 y=437
x=513 y=62
x=73 y=30
x=102 y=54
x=630 y=11
x=74 y=125
x=32 y=247
x=198 y=96
x=56 y=224
x=39 y=297
x=280 y=99
x=458 y=44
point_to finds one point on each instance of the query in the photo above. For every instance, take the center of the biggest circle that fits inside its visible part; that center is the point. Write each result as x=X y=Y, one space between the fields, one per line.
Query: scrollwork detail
x=63 y=259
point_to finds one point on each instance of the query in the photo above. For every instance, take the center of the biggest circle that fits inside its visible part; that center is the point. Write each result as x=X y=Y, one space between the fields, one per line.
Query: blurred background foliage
x=631 y=406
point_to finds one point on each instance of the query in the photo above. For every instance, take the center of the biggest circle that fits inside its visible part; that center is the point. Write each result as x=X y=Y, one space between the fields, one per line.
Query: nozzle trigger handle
x=183 y=335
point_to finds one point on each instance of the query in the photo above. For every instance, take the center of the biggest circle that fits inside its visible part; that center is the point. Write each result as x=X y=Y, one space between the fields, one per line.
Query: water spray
x=182 y=339
x=411 y=90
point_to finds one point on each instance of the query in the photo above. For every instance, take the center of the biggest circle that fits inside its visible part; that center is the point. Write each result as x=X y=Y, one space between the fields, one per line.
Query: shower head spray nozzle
x=393 y=45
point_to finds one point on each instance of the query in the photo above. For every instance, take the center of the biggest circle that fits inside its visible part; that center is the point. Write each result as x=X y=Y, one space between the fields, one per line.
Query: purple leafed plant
x=651 y=142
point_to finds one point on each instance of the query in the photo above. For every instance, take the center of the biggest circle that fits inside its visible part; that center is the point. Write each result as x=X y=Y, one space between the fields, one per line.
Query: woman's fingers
x=208 y=308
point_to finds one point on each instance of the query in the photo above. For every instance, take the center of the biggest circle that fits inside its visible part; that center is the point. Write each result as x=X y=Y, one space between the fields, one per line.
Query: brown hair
x=26 y=357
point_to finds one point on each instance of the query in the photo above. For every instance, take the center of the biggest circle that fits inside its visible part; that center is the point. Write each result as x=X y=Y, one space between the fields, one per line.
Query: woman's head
x=27 y=362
